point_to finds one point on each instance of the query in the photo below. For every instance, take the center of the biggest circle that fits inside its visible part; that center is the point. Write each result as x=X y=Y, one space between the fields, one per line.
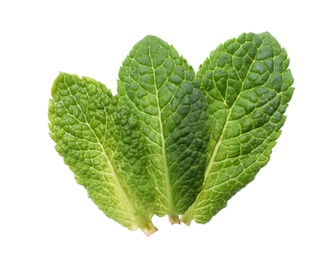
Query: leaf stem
x=187 y=218
x=149 y=229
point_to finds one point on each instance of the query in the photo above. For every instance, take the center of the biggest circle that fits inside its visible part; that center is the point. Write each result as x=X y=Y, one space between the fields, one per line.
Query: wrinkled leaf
x=99 y=139
x=248 y=85
x=158 y=85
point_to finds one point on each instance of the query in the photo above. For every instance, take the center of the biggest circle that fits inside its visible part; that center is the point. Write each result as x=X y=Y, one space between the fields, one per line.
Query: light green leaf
x=248 y=87
x=158 y=85
x=98 y=138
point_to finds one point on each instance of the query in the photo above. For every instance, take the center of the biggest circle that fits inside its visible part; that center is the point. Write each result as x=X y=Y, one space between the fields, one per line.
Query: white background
x=284 y=214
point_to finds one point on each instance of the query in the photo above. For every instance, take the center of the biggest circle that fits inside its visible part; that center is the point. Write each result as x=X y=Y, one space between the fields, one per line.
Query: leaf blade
x=98 y=139
x=248 y=85
x=159 y=86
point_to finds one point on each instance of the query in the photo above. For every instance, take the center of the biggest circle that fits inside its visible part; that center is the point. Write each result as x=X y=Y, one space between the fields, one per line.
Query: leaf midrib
x=168 y=189
x=221 y=138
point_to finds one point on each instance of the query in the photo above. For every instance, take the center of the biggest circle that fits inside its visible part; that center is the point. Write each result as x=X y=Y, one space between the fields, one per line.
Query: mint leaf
x=158 y=85
x=248 y=86
x=172 y=142
x=98 y=138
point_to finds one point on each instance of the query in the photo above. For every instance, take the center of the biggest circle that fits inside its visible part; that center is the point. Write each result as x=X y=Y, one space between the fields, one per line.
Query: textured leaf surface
x=248 y=87
x=99 y=140
x=158 y=85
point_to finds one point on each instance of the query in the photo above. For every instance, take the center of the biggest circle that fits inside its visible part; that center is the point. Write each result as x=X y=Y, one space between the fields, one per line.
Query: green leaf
x=158 y=85
x=248 y=86
x=99 y=139
x=173 y=143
